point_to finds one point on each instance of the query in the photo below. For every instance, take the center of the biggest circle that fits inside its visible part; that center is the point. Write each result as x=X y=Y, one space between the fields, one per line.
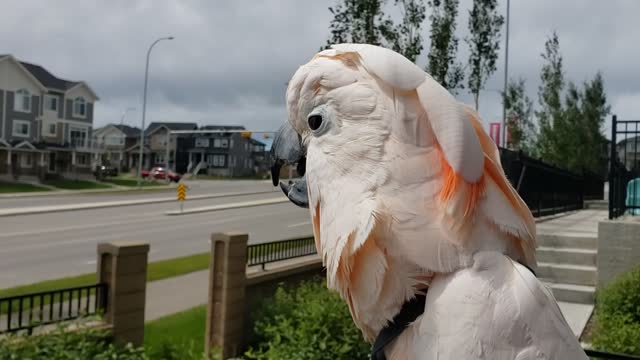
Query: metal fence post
x=612 y=161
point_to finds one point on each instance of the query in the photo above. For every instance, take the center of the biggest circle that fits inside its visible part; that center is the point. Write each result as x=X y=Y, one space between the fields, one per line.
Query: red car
x=159 y=172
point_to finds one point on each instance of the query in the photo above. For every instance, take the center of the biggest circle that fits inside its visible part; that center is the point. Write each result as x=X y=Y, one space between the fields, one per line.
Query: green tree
x=593 y=110
x=519 y=112
x=549 y=98
x=484 y=29
x=364 y=21
x=444 y=45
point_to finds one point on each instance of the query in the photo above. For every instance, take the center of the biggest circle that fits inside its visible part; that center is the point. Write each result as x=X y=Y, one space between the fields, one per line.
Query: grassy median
x=17 y=187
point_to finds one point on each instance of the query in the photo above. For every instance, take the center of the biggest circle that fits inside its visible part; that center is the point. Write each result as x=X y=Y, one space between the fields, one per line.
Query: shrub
x=617 y=326
x=60 y=345
x=307 y=322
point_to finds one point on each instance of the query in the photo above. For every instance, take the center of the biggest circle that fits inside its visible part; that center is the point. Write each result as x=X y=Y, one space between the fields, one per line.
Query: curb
x=238 y=205
x=73 y=207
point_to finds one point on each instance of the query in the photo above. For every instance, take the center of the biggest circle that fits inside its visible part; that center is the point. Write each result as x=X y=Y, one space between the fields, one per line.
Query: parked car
x=160 y=173
x=103 y=171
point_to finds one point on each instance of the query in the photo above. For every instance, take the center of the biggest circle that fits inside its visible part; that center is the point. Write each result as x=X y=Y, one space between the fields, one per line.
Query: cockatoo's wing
x=495 y=310
x=471 y=186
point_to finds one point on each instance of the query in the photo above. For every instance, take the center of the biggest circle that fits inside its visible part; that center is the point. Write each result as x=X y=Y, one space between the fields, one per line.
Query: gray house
x=45 y=122
x=222 y=154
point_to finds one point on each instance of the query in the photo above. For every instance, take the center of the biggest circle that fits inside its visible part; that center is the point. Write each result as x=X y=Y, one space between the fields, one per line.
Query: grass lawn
x=132 y=182
x=12 y=187
x=76 y=184
x=182 y=330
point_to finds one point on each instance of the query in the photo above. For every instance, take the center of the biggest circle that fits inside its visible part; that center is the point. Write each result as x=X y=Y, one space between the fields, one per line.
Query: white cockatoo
x=407 y=195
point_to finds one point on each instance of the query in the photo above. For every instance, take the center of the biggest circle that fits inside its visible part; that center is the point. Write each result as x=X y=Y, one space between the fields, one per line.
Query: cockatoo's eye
x=315 y=121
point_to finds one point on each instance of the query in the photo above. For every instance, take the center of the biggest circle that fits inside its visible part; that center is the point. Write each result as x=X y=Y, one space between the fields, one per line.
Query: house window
x=114 y=140
x=216 y=160
x=82 y=159
x=231 y=143
x=160 y=159
x=51 y=129
x=224 y=143
x=22 y=100
x=21 y=128
x=51 y=103
x=246 y=146
x=216 y=143
x=202 y=142
x=78 y=136
x=79 y=107
x=26 y=160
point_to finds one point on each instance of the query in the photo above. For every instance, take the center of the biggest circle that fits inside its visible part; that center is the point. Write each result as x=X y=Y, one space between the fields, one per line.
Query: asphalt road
x=46 y=246
x=195 y=188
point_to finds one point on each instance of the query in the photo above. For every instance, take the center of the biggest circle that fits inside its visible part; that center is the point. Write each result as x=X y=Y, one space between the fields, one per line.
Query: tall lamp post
x=124 y=113
x=144 y=107
x=506 y=69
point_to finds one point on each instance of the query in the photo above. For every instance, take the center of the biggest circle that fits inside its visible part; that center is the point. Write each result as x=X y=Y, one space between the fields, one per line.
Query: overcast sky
x=230 y=60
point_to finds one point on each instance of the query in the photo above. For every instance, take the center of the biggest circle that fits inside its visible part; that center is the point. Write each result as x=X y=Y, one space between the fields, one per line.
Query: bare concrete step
x=578 y=294
x=597 y=204
x=568 y=241
x=568 y=274
x=571 y=256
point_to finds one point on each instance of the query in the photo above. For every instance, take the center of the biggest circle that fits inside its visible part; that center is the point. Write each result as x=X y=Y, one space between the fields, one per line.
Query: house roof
x=222 y=127
x=171 y=126
x=47 y=79
x=129 y=131
x=635 y=139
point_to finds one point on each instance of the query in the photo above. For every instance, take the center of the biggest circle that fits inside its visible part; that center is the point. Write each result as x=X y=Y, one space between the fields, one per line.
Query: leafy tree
x=549 y=98
x=364 y=21
x=484 y=28
x=594 y=111
x=519 y=113
x=444 y=45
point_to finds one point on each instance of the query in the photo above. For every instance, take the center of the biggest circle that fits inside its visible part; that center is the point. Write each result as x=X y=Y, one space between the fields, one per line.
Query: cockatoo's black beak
x=287 y=149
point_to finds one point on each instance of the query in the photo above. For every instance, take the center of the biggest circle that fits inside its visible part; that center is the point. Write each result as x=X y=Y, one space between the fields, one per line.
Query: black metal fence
x=624 y=168
x=261 y=254
x=546 y=189
x=24 y=312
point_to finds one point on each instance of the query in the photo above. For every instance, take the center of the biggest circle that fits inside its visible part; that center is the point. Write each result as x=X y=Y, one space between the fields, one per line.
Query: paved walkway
x=176 y=294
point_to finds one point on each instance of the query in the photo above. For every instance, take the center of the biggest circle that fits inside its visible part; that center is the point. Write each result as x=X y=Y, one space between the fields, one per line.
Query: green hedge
x=617 y=315
x=306 y=322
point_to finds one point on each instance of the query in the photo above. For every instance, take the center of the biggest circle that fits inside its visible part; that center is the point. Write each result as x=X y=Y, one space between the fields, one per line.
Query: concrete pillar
x=123 y=267
x=225 y=306
x=618 y=248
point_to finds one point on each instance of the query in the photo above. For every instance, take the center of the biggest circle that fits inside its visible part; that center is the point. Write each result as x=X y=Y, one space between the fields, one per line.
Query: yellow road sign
x=245 y=134
x=182 y=192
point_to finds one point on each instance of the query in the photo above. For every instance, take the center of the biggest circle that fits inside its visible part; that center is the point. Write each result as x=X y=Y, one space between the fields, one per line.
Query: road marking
x=299 y=224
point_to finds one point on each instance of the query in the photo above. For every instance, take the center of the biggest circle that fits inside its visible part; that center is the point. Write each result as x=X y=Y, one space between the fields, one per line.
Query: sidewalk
x=169 y=296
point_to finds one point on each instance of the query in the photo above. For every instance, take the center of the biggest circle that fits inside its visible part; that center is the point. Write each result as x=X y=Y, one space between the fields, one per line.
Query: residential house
x=260 y=157
x=222 y=154
x=45 y=122
x=110 y=145
x=629 y=153
x=157 y=133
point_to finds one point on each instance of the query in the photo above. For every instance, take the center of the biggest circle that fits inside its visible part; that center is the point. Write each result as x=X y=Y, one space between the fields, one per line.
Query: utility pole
x=506 y=75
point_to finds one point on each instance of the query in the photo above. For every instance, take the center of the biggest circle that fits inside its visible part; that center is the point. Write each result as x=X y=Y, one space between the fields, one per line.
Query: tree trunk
x=476 y=97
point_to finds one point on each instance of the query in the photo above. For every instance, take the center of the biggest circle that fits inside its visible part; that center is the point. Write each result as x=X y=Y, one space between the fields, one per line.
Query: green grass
x=12 y=187
x=132 y=182
x=76 y=184
x=183 y=329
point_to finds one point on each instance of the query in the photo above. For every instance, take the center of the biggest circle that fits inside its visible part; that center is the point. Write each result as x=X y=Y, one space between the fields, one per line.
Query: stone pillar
x=123 y=267
x=225 y=306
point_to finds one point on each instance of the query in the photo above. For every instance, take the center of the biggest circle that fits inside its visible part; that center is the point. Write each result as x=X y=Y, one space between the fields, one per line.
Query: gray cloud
x=230 y=60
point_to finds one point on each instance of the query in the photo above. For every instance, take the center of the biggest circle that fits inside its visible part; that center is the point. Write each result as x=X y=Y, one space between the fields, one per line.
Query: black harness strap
x=408 y=313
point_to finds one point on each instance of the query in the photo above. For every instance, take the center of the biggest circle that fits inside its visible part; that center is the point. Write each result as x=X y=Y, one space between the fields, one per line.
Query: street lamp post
x=124 y=113
x=504 y=94
x=144 y=107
